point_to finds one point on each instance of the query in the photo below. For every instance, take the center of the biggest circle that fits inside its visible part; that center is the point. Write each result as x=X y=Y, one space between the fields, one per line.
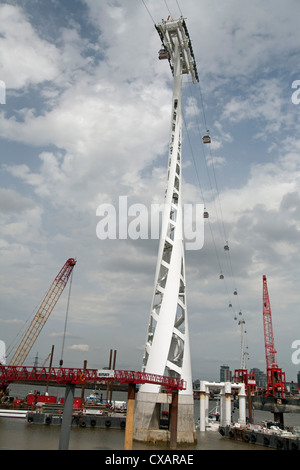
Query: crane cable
x=66 y=320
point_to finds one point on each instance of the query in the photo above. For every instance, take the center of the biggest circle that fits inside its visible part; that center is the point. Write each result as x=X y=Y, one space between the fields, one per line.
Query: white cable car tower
x=243 y=358
x=167 y=349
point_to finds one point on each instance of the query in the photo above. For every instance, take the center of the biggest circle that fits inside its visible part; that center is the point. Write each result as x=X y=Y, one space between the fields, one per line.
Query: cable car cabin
x=226 y=248
x=230 y=305
x=221 y=276
x=206 y=139
x=205 y=215
x=235 y=292
x=163 y=54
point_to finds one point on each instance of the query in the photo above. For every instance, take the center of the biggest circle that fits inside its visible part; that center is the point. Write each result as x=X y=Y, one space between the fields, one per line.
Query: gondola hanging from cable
x=206 y=138
x=226 y=247
x=163 y=54
x=205 y=214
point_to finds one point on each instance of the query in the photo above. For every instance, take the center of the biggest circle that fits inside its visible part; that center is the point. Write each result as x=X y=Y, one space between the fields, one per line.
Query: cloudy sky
x=86 y=120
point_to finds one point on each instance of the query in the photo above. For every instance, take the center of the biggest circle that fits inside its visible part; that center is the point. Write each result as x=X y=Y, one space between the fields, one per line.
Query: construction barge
x=268 y=434
x=86 y=418
x=46 y=409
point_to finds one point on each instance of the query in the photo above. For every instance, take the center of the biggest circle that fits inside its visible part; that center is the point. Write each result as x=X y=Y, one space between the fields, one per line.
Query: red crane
x=43 y=313
x=276 y=384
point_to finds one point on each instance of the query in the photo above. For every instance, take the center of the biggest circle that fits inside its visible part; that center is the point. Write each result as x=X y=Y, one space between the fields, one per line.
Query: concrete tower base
x=148 y=416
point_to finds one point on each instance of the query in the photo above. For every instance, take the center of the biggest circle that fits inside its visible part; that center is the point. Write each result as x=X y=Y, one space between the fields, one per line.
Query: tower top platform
x=172 y=31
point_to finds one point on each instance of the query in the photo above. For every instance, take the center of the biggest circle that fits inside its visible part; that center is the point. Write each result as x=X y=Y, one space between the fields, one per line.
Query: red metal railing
x=79 y=376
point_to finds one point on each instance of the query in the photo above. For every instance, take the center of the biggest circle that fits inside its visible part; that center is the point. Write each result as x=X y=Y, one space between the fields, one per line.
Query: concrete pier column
x=227 y=391
x=207 y=405
x=222 y=407
x=242 y=404
x=203 y=402
x=67 y=418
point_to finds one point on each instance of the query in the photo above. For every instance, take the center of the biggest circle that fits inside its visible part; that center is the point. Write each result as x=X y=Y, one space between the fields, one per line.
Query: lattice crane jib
x=43 y=313
x=276 y=382
x=268 y=327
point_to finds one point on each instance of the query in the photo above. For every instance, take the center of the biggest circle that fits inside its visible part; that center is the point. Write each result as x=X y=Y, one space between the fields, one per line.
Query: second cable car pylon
x=167 y=349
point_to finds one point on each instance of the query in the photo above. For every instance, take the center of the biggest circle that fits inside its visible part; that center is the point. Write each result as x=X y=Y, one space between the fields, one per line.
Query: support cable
x=179 y=8
x=168 y=9
x=66 y=321
x=148 y=12
x=217 y=199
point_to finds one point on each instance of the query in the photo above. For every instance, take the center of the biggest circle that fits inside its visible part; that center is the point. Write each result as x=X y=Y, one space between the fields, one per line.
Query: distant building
x=292 y=387
x=225 y=374
x=261 y=377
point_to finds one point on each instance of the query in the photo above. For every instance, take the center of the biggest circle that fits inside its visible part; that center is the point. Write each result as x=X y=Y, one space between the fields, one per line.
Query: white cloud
x=25 y=58
x=79 y=347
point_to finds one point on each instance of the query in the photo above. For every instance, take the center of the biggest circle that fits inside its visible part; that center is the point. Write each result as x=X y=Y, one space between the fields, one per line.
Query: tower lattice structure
x=167 y=348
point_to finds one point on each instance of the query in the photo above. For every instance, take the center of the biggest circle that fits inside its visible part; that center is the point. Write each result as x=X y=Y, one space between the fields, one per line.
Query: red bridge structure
x=81 y=376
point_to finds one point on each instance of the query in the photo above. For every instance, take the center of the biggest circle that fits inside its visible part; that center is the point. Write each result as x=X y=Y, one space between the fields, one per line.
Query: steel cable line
x=209 y=223
x=148 y=11
x=222 y=228
x=244 y=344
x=168 y=9
x=179 y=8
x=228 y=257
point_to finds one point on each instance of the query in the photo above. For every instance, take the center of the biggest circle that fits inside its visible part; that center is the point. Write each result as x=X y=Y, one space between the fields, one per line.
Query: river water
x=17 y=434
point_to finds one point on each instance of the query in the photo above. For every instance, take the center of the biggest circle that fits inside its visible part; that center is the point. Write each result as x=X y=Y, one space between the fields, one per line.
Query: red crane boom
x=268 y=327
x=276 y=384
x=43 y=313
